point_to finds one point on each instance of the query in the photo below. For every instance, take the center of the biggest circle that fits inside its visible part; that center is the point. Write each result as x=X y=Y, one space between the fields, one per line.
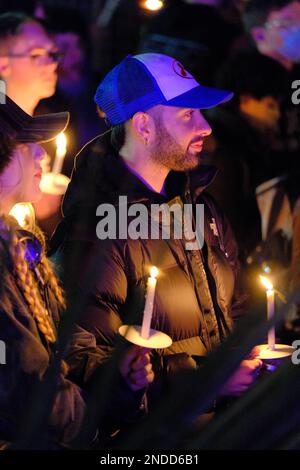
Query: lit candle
x=148 y=311
x=270 y=309
x=153 y=5
x=23 y=212
x=61 y=150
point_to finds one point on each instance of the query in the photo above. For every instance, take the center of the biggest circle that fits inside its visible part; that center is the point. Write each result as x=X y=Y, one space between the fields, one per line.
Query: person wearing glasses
x=28 y=60
x=274 y=25
x=28 y=67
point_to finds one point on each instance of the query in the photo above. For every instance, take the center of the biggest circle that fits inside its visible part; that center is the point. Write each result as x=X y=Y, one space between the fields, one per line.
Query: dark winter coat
x=197 y=297
x=28 y=357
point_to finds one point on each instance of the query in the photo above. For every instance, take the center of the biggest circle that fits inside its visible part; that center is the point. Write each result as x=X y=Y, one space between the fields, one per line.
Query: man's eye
x=189 y=114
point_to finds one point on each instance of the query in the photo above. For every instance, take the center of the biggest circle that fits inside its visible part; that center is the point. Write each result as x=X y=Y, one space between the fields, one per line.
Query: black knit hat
x=7 y=146
x=23 y=128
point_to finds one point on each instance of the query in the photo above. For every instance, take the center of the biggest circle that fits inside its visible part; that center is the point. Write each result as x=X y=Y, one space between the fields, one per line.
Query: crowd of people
x=188 y=107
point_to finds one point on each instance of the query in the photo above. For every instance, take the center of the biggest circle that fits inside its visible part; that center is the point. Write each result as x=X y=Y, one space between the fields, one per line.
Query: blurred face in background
x=265 y=111
x=280 y=35
x=26 y=66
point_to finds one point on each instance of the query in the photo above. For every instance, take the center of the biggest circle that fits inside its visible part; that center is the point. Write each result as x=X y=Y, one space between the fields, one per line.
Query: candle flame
x=154 y=272
x=266 y=282
x=61 y=142
x=154 y=5
x=23 y=213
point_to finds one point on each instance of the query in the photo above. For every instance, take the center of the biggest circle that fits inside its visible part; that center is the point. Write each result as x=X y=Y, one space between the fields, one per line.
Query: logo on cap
x=180 y=70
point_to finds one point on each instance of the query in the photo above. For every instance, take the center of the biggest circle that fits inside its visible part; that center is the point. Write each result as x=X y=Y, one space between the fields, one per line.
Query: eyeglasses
x=288 y=23
x=41 y=58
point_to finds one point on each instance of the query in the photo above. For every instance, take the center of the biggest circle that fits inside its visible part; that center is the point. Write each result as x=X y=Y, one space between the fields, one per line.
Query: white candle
x=61 y=150
x=148 y=311
x=270 y=310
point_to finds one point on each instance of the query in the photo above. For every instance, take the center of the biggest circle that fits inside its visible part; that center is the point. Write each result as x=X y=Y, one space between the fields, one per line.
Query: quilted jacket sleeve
x=98 y=285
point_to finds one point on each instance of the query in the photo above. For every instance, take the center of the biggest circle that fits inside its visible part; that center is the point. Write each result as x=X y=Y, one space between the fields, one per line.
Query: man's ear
x=4 y=67
x=142 y=126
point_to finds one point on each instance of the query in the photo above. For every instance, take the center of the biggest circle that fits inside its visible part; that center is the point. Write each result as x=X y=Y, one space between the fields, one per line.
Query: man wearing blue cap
x=153 y=105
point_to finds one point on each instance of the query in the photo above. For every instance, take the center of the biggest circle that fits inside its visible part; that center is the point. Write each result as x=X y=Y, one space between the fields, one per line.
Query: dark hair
x=257 y=11
x=253 y=74
x=117 y=137
x=7 y=146
x=11 y=22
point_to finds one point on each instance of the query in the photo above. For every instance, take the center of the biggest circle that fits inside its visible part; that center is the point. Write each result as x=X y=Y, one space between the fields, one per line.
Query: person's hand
x=254 y=353
x=136 y=368
x=242 y=378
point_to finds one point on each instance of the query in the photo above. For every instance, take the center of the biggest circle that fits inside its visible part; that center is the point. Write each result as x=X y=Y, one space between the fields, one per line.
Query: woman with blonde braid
x=31 y=299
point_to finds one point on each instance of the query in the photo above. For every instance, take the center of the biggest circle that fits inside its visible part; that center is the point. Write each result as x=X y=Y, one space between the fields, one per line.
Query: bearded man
x=158 y=130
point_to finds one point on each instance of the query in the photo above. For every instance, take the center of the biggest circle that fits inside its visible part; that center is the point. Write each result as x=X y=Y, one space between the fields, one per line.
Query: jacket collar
x=100 y=175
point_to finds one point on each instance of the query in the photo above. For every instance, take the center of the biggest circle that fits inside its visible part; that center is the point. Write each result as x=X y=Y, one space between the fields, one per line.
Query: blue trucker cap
x=142 y=81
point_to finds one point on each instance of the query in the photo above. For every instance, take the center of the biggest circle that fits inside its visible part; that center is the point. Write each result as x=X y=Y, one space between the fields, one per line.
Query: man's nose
x=206 y=130
x=203 y=126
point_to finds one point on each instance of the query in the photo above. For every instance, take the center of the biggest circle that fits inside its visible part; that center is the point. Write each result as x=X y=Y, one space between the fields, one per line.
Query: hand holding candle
x=61 y=150
x=270 y=310
x=140 y=335
x=148 y=311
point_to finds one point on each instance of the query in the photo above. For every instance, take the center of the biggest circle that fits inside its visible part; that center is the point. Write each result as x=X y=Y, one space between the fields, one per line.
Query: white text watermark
x=296 y=353
x=2 y=353
x=296 y=93
x=157 y=221
x=2 y=92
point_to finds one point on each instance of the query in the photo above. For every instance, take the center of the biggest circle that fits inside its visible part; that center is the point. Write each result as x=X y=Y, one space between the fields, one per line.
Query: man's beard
x=169 y=153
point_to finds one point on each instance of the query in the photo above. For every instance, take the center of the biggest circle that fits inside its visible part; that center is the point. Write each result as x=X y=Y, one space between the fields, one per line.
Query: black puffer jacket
x=28 y=360
x=196 y=296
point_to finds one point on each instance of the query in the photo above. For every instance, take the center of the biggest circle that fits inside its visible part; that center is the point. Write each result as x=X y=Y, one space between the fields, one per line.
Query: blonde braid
x=47 y=271
x=29 y=287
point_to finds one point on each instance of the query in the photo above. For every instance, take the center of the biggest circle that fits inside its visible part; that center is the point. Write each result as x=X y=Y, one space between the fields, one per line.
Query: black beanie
x=7 y=146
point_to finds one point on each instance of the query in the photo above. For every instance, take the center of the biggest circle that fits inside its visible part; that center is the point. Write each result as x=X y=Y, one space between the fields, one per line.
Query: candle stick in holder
x=151 y=285
x=270 y=309
x=61 y=150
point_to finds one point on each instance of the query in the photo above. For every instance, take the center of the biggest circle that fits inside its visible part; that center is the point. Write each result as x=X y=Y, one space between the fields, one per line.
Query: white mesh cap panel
x=170 y=75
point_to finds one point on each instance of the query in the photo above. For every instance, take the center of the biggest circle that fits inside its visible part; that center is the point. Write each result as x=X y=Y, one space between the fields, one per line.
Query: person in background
x=28 y=67
x=274 y=26
x=75 y=83
x=28 y=60
x=244 y=144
